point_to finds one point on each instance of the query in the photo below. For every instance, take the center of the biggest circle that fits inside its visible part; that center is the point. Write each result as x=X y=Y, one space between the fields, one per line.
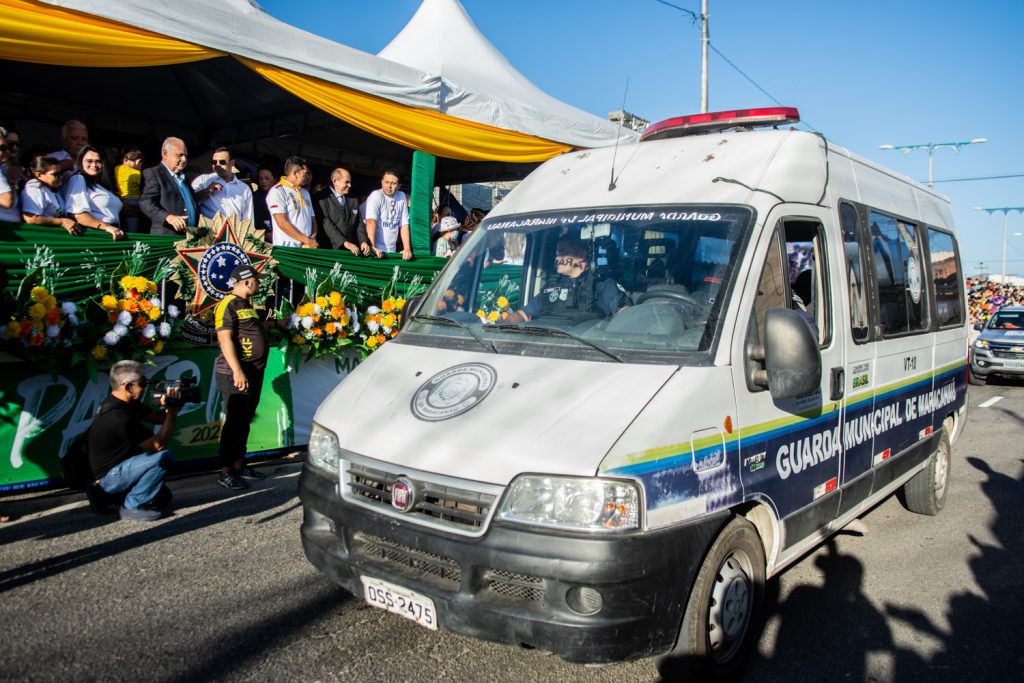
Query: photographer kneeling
x=124 y=454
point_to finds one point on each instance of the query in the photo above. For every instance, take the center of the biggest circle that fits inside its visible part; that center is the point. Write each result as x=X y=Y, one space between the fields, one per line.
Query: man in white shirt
x=291 y=207
x=387 y=217
x=222 y=191
x=73 y=136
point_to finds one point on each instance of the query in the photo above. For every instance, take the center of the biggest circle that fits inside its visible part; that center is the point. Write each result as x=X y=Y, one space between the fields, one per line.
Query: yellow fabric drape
x=43 y=34
x=422 y=129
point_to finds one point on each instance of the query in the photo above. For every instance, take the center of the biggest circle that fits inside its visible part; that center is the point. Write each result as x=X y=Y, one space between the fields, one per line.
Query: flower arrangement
x=324 y=324
x=495 y=303
x=381 y=323
x=40 y=324
x=134 y=323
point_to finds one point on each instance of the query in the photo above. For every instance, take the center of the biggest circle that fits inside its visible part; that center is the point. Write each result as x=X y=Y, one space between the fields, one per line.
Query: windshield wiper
x=557 y=331
x=449 y=321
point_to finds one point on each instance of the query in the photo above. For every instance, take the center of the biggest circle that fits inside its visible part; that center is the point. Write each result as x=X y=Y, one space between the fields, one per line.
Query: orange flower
x=145 y=305
x=141 y=322
x=337 y=312
x=330 y=328
x=387 y=305
x=381 y=339
x=318 y=332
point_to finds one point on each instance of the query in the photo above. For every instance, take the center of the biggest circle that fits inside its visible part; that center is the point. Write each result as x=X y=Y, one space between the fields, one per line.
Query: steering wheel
x=672 y=294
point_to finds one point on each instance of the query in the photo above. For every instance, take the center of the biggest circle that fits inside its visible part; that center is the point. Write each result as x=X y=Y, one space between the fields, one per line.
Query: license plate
x=1016 y=364
x=401 y=601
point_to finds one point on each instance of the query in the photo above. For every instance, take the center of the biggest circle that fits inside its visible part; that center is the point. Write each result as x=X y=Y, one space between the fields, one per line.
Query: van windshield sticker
x=571 y=219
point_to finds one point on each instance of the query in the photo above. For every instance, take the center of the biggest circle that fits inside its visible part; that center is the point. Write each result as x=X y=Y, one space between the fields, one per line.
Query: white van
x=624 y=405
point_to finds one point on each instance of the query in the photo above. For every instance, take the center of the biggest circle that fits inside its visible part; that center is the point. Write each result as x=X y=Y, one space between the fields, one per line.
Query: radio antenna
x=618 y=134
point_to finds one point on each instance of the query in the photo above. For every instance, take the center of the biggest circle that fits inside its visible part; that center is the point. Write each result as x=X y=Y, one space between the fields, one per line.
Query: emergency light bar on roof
x=720 y=120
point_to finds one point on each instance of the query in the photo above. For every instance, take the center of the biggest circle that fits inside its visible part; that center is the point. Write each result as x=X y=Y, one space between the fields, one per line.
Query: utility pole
x=704 y=57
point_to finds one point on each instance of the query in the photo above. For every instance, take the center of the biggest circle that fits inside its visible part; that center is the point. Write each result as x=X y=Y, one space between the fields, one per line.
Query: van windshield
x=647 y=279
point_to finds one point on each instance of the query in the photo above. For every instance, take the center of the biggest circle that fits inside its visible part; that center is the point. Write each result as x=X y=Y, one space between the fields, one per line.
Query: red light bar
x=720 y=120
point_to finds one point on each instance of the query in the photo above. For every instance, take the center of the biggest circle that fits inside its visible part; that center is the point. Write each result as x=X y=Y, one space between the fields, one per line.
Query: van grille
x=416 y=563
x=1005 y=352
x=458 y=508
x=520 y=587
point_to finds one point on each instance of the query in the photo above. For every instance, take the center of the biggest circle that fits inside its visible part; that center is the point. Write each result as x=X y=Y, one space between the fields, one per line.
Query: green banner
x=421 y=199
x=40 y=415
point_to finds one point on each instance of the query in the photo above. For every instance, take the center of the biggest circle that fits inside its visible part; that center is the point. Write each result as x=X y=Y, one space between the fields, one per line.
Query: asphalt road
x=222 y=591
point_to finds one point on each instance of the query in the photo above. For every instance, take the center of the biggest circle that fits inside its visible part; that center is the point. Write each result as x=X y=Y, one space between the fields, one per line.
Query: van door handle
x=838 y=384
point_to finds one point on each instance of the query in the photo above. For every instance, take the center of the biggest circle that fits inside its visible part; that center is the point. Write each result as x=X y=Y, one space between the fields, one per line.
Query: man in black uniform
x=242 y=337
x=124 y=454
x=571 y=290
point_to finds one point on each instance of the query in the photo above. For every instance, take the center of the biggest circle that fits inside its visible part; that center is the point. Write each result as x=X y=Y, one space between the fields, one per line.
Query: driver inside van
x=572 y=288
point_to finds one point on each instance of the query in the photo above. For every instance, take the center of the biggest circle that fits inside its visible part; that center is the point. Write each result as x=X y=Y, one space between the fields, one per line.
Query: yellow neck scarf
x=298 y=190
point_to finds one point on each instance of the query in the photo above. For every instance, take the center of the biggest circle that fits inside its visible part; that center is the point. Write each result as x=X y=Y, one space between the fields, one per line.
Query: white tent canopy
x=442 y=40
x=501 y=97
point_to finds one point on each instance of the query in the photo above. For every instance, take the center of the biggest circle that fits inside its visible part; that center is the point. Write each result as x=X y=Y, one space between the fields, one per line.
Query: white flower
x=155 y=302
x=307 y=322
x=73 y=319
x=386 y=329
x=165 y=329
x=53 y=331
x=111 y=338
x=316 y=309
x=125 y=318
x=119 y=330
x=372 y=310
x=355 y=325
x=173 y=311
x=293 y=321
x=373 y=326
x=149 y=331
x=69 y=308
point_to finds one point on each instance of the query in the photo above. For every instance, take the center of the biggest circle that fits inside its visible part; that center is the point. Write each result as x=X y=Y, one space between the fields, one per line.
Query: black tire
x=925 y=494
x=723 y=615
x=977 y=380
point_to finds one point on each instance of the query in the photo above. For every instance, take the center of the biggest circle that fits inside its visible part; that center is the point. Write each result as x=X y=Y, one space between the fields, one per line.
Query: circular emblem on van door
x=914 y=279
x=453 y=391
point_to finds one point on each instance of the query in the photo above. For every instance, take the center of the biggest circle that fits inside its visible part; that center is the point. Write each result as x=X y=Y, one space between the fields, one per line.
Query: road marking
x=991 y=402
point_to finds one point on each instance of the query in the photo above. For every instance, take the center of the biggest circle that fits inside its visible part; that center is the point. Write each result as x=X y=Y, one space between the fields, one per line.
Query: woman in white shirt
x=8 y=197
x=88 y=199
x=40 y=202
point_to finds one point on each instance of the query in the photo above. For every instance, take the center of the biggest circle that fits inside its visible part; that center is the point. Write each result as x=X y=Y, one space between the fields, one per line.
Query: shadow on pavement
x=263 y=496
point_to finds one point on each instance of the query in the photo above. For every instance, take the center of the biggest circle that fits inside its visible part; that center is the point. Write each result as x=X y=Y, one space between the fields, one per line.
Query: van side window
x=896 y=252
x=945 y=271
x=771 y=289
x=859 y=325
x=808 y=275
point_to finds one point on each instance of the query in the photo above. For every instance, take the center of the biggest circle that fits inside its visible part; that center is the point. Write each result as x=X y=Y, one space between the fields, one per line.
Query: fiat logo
x=403 y=495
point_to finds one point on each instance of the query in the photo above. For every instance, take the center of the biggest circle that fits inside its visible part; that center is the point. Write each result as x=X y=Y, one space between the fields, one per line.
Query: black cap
x=243 y=272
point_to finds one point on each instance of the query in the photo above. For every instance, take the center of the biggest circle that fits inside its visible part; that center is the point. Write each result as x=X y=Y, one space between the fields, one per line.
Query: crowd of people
x=985 y=297
x=80 y=187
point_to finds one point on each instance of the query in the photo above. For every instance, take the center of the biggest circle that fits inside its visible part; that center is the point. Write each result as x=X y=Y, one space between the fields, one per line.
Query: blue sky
x=863 y=73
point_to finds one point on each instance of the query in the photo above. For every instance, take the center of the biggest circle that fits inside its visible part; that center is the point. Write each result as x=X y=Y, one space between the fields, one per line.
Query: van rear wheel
x=723 y=614
x=925 y=494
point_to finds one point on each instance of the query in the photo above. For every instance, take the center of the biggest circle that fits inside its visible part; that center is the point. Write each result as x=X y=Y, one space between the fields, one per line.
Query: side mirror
x=792 y=358
x=979 y=326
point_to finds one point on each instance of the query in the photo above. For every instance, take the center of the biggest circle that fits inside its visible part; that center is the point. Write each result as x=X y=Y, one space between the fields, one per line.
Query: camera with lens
x=187 y=392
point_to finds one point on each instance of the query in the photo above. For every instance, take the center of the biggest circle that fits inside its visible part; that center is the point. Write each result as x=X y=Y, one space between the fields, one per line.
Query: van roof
x=756 y=168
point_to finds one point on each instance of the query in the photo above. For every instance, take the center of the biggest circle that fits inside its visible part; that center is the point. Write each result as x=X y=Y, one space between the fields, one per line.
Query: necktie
x=190 y=204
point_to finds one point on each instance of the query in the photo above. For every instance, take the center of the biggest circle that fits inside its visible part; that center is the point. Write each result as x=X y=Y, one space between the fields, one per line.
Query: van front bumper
x=515 y=584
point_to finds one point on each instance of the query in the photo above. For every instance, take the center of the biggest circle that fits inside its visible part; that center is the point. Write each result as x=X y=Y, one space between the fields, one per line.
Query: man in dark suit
x=166 y=198
x=338 y=216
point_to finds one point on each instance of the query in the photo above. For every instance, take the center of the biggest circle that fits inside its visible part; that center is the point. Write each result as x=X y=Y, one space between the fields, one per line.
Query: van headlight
x=324 y=451
x=572 y=503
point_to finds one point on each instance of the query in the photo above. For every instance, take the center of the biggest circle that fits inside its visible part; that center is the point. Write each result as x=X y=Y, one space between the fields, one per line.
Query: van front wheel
x=925 y=494
x=723 y=614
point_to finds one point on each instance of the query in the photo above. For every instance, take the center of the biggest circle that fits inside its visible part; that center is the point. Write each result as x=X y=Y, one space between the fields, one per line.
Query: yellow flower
x=38 y=294
x=399 y=304
x=50 y=303
x=153 y=313
x=481 y=314
x=335 y=299
x=158 y=347
x=371 y=342
x=127 y=282
x=492 y=316
x=502 y=302
x=36 y=311
x=321 y=301
x=13 y=329
x=151 y=286
x=388 y=320
x=99 y=352
x=299 y=339
x=109 y=302
x=304 y=310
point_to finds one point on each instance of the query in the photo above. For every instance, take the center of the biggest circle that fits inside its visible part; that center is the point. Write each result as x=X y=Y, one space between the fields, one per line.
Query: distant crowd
x=985 y=297
x=81 y=187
